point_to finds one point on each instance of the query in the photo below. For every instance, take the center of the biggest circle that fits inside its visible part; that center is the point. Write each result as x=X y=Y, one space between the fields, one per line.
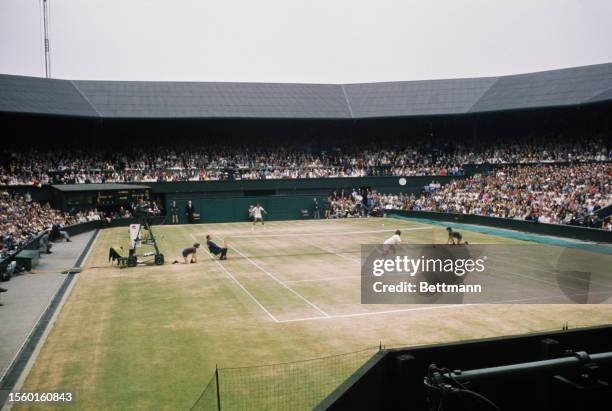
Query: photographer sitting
x=57 y=232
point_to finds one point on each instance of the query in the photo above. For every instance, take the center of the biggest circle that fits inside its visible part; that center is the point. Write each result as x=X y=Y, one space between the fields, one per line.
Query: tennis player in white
x=390 y=243
x=394 y=239
x=258 y=212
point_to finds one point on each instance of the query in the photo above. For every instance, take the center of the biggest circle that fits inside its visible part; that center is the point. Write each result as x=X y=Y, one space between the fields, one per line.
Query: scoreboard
x=120 y=197
x=84 y=196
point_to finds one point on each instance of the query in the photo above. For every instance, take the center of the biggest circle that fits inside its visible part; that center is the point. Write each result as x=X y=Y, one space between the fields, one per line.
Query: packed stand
x=289 y=161
x=364 y=203
x=543 y=193
x=22 y=219
x=552 y=194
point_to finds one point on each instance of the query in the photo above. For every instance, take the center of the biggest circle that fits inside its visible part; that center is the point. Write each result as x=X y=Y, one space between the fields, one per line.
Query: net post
x=218 y=391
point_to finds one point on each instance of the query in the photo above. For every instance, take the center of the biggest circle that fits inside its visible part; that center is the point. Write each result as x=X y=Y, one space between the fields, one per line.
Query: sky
x=303 y=41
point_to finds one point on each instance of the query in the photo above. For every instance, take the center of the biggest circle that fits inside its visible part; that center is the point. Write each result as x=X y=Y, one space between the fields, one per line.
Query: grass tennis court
x=150 y=337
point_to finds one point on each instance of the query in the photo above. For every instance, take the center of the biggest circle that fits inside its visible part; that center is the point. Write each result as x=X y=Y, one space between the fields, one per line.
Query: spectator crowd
x=545 y=193
x=160 y=163
x=548 y=180
x=362 y=203
x=22 y=219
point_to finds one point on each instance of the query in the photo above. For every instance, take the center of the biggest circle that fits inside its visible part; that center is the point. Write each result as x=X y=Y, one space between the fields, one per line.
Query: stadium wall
x=558 y=230
x=393 y=378
x=294 y=186
x=227 y=201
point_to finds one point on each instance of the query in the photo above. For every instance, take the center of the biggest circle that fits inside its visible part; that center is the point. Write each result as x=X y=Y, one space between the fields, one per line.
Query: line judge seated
x=215 y=249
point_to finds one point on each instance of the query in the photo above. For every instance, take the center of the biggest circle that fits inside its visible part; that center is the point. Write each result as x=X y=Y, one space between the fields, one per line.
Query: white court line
x=279 y=281
x=561 y=275
x=512 y=273
x=312 y=280
x=241 y=286
x=353 y=259
x=321 y=233
x=551 y=282
x=401 y=310
x=365 y=314
x=497 y=269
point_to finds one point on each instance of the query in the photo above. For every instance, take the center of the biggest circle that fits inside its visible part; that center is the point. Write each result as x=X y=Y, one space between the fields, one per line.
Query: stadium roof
x=134 y=99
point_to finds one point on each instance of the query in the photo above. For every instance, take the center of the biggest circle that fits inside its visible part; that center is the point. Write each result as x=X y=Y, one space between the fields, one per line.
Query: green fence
x=297 y=385
x=291 y=199
x=296 y=186
x=220 y=210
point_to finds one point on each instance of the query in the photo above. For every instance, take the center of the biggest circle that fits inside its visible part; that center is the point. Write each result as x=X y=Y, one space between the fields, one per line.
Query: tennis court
x=150 y=337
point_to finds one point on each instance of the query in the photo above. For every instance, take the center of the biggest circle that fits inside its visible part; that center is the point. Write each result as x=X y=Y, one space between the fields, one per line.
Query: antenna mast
x=46 y=39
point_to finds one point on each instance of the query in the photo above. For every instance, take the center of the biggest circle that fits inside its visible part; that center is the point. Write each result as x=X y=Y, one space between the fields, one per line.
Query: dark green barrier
x=604 y=212
x=124 y=222
x=82 y=227
x=224 y=201
x=38 y=194
x=391 y=184
x=393 y=379
x=33 y=244
x=226 y=209
x=28 y=259
x=581 y=233
x=248 y=187
x=74 y=229
x=256 y=190
x=120 y=222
